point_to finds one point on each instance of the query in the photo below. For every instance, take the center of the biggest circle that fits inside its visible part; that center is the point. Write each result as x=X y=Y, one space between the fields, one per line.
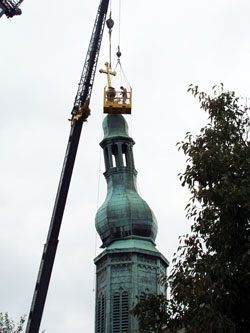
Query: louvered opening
x=100 y=320
x=120 y=312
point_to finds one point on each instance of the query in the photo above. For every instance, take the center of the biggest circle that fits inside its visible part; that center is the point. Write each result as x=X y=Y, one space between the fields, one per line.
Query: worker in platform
x=111 y=93
x=124 y=94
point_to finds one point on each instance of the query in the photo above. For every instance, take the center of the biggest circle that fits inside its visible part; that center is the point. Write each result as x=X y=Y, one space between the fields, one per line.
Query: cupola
x=124 y=214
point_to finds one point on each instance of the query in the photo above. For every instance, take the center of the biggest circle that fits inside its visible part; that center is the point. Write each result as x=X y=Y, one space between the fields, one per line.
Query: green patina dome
x=124 y=214
x=114 y=125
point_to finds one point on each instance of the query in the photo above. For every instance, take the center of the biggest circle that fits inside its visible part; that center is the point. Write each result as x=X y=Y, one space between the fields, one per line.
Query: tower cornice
x=118 y=138
x=119 y=170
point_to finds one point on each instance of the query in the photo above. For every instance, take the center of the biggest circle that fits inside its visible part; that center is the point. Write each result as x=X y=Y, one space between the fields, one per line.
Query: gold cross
x=108 y=72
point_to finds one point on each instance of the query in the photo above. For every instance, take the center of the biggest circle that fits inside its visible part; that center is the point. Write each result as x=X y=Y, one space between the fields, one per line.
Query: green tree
x=211 y=276
x=210 y=279
x=7 y=325
x=153 y=312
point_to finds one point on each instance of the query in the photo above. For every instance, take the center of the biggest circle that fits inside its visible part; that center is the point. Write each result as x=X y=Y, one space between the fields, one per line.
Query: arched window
x=125 y=155
x=118 y=155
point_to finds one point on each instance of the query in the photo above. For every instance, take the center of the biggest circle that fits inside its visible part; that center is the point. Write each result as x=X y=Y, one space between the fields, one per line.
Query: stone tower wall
x=121 y=276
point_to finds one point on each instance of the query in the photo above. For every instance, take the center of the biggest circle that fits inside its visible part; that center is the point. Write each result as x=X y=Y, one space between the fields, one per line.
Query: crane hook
x=118 y=53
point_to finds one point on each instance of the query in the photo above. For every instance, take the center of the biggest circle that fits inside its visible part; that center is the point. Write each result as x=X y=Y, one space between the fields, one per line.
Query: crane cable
x=131 y=296
x=118 y=54
x=119 y=26
x=110 y=24
x=122 y=74
x=131 y=245
x=97 y=203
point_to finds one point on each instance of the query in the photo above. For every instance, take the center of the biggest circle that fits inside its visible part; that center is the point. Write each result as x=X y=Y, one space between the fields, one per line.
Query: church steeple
x=130 y=265
x=124 y=214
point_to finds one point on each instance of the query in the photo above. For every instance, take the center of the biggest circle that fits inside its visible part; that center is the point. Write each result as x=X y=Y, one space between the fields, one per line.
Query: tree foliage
x=153 y=312
x=7 y=325
x=210 y=279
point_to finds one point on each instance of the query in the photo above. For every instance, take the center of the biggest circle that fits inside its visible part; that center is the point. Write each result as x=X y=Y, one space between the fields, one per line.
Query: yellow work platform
x=116 y=103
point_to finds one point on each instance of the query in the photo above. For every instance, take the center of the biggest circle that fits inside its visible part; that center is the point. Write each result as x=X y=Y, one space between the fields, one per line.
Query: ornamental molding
x=119 y=266
x=147 y=267
x=124 y=257
x=147 y=259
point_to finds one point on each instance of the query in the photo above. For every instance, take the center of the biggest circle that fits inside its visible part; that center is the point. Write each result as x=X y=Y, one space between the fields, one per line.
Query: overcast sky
x=166 y=45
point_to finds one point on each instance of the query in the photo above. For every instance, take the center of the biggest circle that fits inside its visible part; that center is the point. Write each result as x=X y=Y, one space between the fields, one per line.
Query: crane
x=79 y=115
x=10 y=8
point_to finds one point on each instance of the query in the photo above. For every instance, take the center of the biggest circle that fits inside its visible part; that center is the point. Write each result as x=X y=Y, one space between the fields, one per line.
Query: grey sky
x=166 y=45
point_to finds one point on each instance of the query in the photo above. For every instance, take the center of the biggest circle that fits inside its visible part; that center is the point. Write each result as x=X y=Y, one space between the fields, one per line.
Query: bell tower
x=130 y=264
